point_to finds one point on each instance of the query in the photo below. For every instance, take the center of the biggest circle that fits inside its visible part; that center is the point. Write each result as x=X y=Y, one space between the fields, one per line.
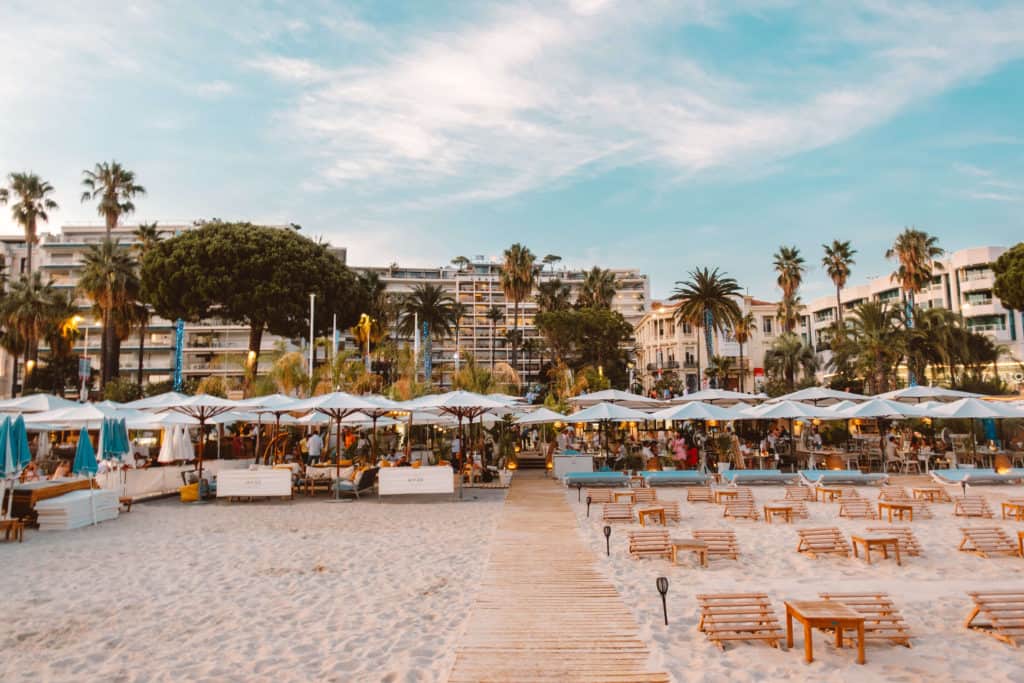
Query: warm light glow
x=511 y=466
x=30 y=365
x=550 y=465
x=251 y=358
x=712 y=423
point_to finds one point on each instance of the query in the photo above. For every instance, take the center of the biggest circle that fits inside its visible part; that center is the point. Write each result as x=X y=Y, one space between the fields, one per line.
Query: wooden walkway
x=544 y=611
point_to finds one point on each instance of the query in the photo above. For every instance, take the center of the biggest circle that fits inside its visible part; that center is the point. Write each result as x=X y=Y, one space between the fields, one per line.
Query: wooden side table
x=785 y=511
x=879 y=541
x=831 y=493
x=1014 y=508
x=824 y=614
x=651 y=513
x=619 y=496
x=690 y=545
x=723 y=495
x=931 y=494
x=638 y=482
x=1020 y=542
x=900 y=509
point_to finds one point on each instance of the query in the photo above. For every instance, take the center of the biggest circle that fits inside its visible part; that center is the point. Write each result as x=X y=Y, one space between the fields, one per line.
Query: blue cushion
x=842 y=477
x=756 y=476
x=674 y=477
x=977 y=476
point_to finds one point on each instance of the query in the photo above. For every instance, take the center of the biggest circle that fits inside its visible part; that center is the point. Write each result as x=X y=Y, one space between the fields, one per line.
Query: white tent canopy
x=612 y=412
x=922 y=393
x=783 y=410
x=879 y=407
x=84 y=414
x=157 y=402
x=694 y=410
x=973 y=408
x=36 y=403
x=818 y=396
x=541 y=416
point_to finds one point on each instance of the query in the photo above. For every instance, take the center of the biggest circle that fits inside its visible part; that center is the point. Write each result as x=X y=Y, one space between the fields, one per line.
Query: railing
x=968 y=275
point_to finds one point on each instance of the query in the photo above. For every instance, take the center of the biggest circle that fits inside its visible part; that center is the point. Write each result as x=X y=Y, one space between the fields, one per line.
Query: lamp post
x=608 y=541
x=579 y=491
x=662 y=584
x=588 y=506
x=312 y=305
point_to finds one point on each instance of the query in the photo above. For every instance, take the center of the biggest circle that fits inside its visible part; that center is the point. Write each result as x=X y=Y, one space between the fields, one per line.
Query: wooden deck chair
x=857 y=508
x=649 y=495
x=672 y=511
x=799 y=493
x=699 y=494
x=882 y=621
x=799 y=507
x=650 y=543
x=741 y=509
x=905 y=538
x=848 y=492
x=745 y=493
x=721 y=543
x=739 y=616
x=599 y=496
x=971 y=506
x=986 y=541
x=617 y=512
x=1003 y=614
x=822 y=541
x=893 y=493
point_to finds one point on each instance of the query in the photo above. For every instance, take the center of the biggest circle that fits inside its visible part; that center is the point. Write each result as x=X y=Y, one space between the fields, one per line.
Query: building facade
x=667 y=347
x=478 y=287
x=963 y=284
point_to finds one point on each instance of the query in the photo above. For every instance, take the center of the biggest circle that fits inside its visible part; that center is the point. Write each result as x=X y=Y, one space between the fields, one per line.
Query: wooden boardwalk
x=544 y=611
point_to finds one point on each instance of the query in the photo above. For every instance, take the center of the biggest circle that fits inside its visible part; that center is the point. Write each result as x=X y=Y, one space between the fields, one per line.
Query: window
x=687 y=328
x=889 y=294
x=978 y=298
x=823 y=315
x=986 y=323
x=766 y=324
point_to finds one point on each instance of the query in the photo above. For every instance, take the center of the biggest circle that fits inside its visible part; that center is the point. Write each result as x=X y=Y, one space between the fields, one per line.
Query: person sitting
x=30 y=473
x=63 y=470
x=403 y=462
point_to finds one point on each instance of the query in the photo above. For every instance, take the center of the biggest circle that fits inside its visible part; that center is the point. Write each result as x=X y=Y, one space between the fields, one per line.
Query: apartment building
x=665 y=345
x=963 y=285
x=478 y=287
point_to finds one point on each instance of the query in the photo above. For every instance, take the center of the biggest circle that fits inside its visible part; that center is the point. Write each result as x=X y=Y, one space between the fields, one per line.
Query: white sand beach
x=289 y=591
x=930 y=590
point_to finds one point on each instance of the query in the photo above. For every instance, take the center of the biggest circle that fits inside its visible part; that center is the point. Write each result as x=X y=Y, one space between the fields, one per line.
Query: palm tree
x=837 y=261
x=530 y=347
x=60 y=332
x=26 y=312
x=495 y=315
x=879 y=345
x=789 y=356
x=434 y=310
x=33 y=202
x=743 y=329
x=719 y=369
x=147 y=236
x=115 y=188
x=708 y=302
x=916 y=251
x=518 y=275
x=598 y=289
x=790 y=268
x=552 y=295
x=110 y=278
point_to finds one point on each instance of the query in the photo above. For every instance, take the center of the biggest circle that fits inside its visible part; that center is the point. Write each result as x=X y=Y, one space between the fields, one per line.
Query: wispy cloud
x=527 y=97
x=989 y=185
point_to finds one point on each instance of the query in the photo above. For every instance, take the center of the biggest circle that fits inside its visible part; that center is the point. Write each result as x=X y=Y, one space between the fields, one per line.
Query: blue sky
x=660 y=135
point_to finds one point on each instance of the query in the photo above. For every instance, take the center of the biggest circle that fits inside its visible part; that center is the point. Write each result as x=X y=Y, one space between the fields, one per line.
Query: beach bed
x=851 y=477
x=1003 y=614
x=675 y=478
x=882 y=620
x=769 y=477
x=597 y=479
x=976 y=476
x=738 y=616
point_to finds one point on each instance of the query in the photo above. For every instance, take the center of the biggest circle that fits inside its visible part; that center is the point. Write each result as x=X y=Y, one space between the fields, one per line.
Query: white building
x=963 y=285
x=664 y=346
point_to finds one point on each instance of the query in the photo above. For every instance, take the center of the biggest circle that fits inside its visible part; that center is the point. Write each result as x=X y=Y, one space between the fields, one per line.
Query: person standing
x=314 y=447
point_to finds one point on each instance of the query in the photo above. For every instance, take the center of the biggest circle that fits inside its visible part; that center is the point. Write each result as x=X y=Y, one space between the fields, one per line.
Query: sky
x=663 y=136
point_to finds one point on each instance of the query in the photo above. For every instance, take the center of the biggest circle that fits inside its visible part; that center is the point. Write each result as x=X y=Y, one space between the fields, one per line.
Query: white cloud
x=213 y=89
x=529 y=97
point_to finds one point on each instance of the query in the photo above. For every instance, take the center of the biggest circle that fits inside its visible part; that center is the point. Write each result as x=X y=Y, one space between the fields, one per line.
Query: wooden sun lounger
x=617 y=512
x=721 y=543
x=857 y=508
x=895 y=493
x=798 y=507
x=739 y=616
x=799 y=493
x=672 y=511
x=650 y=543
x=882 y=621
x=1003 y=612
x=741 y=509
x=645 y=495
x=699 y=494
x=600 y=496
x=822 y=541
x=905 y=538
x=971 y=506
x=985 y=541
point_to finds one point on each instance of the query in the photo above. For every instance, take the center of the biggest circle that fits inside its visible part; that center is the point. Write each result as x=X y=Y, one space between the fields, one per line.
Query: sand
x=930 y=590
x=289 y=591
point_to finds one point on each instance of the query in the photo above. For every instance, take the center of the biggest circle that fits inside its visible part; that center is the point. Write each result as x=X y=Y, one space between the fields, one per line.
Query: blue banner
x=179 y=348
x=427 y=361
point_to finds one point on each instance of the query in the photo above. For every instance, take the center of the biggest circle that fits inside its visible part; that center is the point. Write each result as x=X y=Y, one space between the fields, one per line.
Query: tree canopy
x=1009 y=283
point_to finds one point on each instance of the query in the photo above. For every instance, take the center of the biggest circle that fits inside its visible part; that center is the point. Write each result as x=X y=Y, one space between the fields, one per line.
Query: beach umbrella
x=718 y=396
x=541 y=416
x=158 y=401
x=879 y=407
x=186 y=451
x=972 y=408
x=85 y=456
x=922 y=393
x=202 y=407
x=336 y=405
x=459 y=404
x=166 y=455
x=20 y=451
x=694 y=410
x=35 y=403
x=7 y=463
x=819 y=396
x=614 y=396
x=782 y=410
x=605 y=414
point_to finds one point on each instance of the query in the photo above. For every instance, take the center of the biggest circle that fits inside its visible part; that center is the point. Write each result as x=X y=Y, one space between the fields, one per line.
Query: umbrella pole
x=408 y=439
x=373 y=456
x=202 y=449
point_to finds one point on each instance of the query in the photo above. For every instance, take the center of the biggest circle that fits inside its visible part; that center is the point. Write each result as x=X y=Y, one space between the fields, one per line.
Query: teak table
x=824 y=614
